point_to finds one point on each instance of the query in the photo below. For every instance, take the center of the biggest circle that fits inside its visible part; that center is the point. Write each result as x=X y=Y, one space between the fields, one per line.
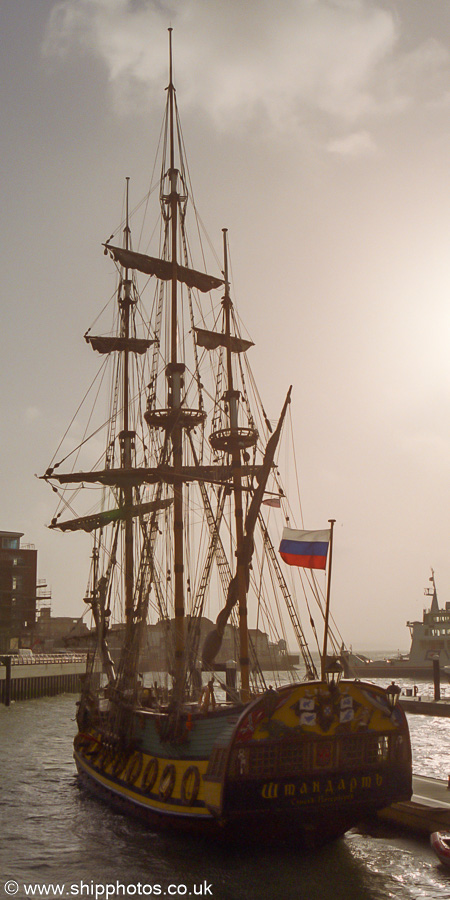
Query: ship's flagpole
x=327 y=607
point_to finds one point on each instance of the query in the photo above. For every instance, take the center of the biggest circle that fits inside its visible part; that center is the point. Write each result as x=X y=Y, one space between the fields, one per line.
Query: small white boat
x=440 y=842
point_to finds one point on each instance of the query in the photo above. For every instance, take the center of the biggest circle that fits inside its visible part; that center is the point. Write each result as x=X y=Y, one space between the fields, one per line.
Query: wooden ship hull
x=307 y=760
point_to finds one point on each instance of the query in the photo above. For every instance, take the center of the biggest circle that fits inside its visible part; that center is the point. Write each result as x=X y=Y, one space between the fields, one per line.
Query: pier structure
x=426 y=812
x=42 y=675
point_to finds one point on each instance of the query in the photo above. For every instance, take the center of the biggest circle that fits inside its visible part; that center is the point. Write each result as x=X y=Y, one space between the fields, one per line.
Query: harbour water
x=58 y=841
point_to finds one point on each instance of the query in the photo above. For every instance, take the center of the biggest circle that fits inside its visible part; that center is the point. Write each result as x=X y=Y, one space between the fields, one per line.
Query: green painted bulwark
x=196 y=739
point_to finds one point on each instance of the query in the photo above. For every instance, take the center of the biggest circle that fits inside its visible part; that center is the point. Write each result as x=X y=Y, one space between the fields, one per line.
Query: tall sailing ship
x=187 y=517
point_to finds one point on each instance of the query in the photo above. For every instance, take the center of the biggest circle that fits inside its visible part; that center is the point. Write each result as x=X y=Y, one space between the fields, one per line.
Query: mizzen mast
x=232 y=397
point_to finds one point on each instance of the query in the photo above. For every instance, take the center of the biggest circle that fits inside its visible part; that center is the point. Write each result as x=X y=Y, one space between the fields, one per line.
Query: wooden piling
x=436 y=678
x=7 y=663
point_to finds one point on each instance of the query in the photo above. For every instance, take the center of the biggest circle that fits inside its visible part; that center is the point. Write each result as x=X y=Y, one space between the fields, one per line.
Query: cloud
x=359 y=143
x=316 y=53
x=280 y=64
x=422 y=74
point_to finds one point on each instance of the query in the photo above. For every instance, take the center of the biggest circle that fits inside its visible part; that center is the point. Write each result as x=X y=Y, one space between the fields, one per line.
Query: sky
x=318 y=133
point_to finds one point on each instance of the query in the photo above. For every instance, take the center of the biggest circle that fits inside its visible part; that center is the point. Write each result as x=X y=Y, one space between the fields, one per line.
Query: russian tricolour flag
x=305 y=548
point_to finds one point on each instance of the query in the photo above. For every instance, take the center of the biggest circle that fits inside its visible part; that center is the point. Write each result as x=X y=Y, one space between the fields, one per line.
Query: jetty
x=421 y=707
x=429 y=807
x=427 y=811
x=41 y=675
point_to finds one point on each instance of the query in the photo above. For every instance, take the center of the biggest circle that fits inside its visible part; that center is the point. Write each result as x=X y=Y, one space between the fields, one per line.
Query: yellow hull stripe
x=151 y=802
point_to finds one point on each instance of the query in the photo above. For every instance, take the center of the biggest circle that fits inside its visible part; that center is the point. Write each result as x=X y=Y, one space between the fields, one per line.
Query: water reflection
x=53 y=832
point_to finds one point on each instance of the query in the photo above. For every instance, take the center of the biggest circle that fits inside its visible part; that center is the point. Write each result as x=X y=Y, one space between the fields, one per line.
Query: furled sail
x=99 y=520
x=108 y=344
x=211 y=340
x=162 y=268
x=166 y=474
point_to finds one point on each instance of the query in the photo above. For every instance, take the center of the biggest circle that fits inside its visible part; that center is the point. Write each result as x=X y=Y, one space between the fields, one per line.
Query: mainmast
x=174 y=374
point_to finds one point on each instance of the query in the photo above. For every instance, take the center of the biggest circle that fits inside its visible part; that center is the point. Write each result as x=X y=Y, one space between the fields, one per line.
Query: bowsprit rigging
x=185 y=529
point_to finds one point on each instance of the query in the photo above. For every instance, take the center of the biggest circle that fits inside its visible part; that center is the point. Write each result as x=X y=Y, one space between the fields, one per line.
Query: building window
x=10 y=543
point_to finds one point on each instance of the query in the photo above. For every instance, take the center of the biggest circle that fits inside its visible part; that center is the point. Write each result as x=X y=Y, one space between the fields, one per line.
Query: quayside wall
x=40 y=676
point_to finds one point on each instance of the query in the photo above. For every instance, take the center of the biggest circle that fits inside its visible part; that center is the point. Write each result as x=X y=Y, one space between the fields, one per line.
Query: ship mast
x=174 y=374
x=127 y=436
x=232 y=397
x=236 y=440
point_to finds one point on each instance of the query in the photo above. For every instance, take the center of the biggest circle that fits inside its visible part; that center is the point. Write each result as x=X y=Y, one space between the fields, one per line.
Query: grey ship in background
x=430 y=640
